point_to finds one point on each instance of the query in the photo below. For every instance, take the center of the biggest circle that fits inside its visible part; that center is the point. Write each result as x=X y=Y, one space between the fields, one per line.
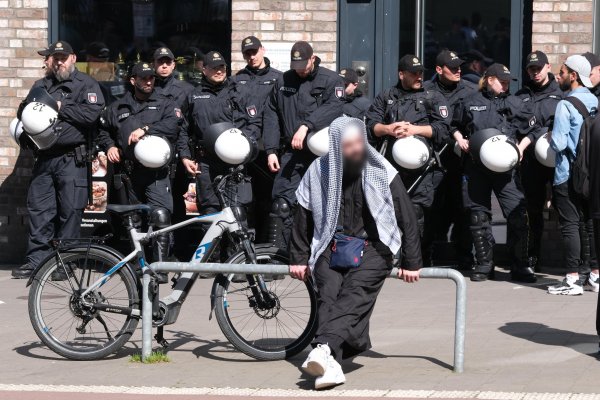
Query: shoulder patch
x=251 y=110
x=532 y=121
x=443 y=111
x=177 y=112
x=92 y=98
x=339 y=92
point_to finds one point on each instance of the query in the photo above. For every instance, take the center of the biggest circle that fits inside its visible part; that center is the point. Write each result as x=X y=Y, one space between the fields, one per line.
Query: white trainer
x=317 y=361
x=593 y=283
x=333 y=375
x=570 y=286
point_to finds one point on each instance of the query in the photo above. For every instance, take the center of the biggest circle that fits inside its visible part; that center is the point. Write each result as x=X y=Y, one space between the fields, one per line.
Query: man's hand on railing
x=409 y=276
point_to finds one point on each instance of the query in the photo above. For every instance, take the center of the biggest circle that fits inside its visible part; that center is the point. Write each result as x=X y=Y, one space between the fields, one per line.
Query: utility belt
x=80 y=153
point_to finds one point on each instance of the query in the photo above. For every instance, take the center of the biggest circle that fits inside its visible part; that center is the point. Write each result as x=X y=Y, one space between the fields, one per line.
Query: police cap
x=410 y=63
x=449 y=59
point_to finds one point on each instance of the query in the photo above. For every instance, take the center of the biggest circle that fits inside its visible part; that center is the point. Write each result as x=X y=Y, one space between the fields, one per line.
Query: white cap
x=582 y=66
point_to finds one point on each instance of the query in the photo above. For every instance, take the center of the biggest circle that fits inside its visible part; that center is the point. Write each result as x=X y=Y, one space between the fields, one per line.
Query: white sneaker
x=317 y=361
x=333 y=375
x=593 y=283
x=570 y=286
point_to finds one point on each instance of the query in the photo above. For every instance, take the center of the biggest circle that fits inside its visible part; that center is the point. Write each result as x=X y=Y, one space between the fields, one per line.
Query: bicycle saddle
x=126 y=208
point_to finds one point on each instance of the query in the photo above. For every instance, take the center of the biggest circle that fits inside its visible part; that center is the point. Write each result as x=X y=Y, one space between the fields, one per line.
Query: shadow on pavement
x=209 y=349
x=29 y=350
x=440 y=363
x=545 y=335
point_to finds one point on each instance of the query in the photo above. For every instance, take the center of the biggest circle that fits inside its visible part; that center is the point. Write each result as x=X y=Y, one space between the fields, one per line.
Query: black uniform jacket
x=176 y=90
x=124 y=116
x=315 y=102
x=419 y=107
x=81 y=104
x=454 y=94
x=543 y=100
x=256 y=86
x=505 y=112
x=356 y=105
x=210 y=104
x=357 y=220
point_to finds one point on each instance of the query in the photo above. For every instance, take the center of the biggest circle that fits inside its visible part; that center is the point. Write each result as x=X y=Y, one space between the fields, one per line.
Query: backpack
x=580 y=166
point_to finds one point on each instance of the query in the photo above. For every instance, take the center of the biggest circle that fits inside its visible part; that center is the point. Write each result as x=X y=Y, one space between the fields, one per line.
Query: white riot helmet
x=39 y=116
x=153 y=151
x=544 y=153
x=16 y=129
x=230 y=144
x=494 y=150
x=411 y=152
x=318 y=142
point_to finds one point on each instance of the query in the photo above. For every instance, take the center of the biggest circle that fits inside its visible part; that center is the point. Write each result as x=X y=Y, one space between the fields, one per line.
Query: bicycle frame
x=221 y=222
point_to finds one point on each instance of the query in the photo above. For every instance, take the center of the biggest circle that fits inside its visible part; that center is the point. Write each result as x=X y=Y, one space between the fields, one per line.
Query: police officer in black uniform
x=356 y=105
x=59 y=187
x=255 y=83
x=143 y=112
x=494 y=107
x=448 y=200
x=306 y=99
x=408 y=109
x=215 y=100
x=543 y=93
x=166 y=83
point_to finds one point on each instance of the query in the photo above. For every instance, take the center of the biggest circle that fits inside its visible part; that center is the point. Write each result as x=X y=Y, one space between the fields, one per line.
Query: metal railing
x=278 y=269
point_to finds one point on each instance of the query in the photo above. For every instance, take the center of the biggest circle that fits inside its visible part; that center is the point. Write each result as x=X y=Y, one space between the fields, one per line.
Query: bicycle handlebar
x=235 y=175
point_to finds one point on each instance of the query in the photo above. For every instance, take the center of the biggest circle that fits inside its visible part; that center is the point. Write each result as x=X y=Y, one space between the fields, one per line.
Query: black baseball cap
x=499 y=71
x=410 y=63
x=163 y=52
x=536 y=59
x=301 y=52
x=449 y=59
x=98 y=50
x=476 y=55
x=44 y=52
x=251 y=43
x=214 y=59
x=142 y=70
x=349 y=75
x=60 y=47
x=592 y=58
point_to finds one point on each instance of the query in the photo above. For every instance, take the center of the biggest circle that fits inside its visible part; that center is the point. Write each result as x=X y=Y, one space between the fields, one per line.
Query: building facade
x=369 y=35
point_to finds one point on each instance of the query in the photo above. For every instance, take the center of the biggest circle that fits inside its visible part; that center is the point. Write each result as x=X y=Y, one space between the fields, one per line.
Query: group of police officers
x=278 y=113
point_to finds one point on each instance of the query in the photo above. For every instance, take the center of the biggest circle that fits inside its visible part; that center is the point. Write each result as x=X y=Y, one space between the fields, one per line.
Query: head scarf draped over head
x=320 y=191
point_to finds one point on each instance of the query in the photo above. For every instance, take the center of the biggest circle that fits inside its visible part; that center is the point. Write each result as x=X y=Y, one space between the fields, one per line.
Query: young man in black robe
x=351 y=195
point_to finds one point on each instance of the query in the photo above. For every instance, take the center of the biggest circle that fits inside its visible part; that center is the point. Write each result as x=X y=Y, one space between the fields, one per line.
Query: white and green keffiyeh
x=320 y=191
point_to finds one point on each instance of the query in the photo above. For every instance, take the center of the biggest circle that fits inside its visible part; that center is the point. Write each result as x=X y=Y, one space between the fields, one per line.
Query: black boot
x=522 y=269
x=484 y=255
x=22 y=272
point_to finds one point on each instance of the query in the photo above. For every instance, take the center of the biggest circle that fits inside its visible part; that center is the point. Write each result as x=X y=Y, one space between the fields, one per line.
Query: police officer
x=141 y=113
x=404 y=110
x=306 y=99
x=215 y=100
x=166 y=83
x=356 y=104
x=475 y=65
x=255 y=83
x=543 y=93
x=448 y=200
x=58 y=191
x=494 y=107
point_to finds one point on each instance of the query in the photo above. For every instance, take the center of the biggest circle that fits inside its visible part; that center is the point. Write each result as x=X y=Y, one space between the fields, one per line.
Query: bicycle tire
x=253 y=348
x=43 y=278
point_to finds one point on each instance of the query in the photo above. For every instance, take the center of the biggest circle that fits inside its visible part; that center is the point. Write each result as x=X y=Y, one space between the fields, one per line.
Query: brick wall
x=562 y=28
x=288 y=21
x=23 y=31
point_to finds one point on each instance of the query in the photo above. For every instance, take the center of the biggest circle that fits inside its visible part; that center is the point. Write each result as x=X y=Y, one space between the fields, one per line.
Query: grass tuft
x=156 y=357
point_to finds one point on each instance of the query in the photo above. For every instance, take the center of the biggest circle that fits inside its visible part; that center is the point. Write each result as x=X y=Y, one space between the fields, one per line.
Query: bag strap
x=579 y=106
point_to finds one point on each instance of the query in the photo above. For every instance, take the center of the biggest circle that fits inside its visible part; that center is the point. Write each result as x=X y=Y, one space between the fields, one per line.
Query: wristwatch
x=145 y=128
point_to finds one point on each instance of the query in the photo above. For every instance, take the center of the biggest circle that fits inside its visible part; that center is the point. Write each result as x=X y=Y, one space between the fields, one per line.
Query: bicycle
x=94 y=309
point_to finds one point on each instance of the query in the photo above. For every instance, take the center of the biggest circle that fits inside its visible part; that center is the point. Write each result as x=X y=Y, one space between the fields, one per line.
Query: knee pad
x=479 y=218
x=160 y=218
x=281 y=208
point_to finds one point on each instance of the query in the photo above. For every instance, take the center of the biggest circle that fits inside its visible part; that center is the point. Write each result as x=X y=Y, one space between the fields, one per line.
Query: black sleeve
x=376 y=114
x=183 y=139
x=440 y=125
x=407 y=222
x=330 y=109
x=522 y=118
x=84 y=110
x=106 y=127
x=169 y=123
x=459 y=120
x=301 y=236
x=271 y=127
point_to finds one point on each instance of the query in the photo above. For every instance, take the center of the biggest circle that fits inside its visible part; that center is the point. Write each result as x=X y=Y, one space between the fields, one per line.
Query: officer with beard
x=542 y=93
x=448 y=207
x=407 y=110
x=59 y=187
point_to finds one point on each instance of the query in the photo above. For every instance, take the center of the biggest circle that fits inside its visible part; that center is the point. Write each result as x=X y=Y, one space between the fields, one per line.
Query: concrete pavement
x=519 y=340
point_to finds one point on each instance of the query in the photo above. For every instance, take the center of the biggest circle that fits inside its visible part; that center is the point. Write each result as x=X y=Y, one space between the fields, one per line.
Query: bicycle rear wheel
x=278 y=332
x=62 y=319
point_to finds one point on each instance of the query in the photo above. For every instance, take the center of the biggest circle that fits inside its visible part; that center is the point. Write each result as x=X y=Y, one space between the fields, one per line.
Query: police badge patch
x=251 y=111
x=443 y=111
x=532 y=121
x=177 y=112
x=339 y=92
x=92 y=98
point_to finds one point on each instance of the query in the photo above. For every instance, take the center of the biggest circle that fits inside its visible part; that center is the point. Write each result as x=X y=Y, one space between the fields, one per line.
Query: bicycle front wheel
x=279 y=331
x=76 y=327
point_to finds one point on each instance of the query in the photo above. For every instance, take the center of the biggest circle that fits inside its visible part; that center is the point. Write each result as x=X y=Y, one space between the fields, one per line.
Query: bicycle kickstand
x=160 y=337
